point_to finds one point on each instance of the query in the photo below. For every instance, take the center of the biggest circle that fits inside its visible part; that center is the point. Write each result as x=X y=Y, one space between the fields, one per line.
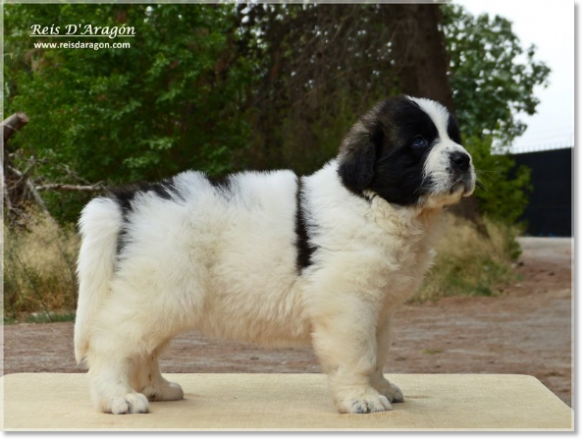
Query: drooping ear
x=453 y=129
x=357 y=158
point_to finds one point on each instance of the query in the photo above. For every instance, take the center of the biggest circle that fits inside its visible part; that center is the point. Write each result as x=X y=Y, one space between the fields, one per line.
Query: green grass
x=43 y=317
x=39 y=318
x=7 y=320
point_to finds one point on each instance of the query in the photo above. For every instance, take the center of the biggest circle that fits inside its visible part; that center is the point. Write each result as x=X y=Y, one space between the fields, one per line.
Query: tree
x=173 y=101
x=492 y=77
x=223 y=87
x=127 y=113
x=320 y=66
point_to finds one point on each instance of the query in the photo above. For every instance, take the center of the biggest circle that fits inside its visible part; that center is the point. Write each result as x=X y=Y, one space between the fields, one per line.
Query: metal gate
x=550 y=206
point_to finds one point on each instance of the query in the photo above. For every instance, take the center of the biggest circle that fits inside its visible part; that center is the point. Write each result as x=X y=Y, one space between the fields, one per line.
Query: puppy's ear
x=357 y=157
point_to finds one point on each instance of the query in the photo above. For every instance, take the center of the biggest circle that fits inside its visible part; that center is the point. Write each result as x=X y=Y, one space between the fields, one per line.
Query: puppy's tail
x=99 y=225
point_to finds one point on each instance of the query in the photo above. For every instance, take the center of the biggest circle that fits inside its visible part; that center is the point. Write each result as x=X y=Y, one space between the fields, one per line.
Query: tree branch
x=35 y=194
x=72 y=187
x=13 y=124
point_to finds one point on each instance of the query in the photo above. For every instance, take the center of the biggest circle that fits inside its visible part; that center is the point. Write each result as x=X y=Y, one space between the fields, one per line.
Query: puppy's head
x=407 y=151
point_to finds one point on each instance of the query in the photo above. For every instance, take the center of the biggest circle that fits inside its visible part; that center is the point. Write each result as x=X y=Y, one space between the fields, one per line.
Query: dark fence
x=550 y=207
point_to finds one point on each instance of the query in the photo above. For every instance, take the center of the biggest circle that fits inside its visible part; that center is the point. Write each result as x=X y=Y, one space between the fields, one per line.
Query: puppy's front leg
x=378 y=381
x=345 y=342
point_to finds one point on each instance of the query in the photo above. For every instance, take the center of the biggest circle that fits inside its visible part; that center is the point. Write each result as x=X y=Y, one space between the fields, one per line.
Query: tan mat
x=289 y=402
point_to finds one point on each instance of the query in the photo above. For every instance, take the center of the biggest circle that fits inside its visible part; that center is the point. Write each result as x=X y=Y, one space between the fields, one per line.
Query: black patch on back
x=126 y=195
x=221 y=183
x=304 y=249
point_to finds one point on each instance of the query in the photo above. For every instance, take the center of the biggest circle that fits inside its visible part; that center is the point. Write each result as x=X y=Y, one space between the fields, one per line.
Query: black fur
x=357 y=169
x=165 y=189
x=304 y=249
x=453 y=129
x=222 y=183
x=378 y=154
x=125 y=196
x=398 y=173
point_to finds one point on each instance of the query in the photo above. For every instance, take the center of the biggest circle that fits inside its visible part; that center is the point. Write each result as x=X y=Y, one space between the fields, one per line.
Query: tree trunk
x=419 y=48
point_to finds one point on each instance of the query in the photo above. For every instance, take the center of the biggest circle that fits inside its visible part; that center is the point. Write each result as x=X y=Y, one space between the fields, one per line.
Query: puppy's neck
x=394 y=218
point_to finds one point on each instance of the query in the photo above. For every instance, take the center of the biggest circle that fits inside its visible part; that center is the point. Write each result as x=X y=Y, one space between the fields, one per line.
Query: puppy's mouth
x=464 y=186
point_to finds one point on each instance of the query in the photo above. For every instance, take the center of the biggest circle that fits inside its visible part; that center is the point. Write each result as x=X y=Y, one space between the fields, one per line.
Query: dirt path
x=526 y=331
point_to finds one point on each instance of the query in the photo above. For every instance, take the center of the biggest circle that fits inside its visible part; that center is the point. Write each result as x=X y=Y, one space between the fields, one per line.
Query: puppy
x=271 y=258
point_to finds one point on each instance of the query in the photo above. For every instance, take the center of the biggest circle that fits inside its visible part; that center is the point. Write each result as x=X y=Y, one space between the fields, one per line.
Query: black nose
x=460 y=160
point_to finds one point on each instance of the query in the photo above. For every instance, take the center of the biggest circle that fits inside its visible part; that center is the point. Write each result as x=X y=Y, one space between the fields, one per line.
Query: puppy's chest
x=404 y=262
x=406 y=256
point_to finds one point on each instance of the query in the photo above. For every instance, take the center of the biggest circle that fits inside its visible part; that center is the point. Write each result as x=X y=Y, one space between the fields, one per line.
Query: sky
x=550 y=26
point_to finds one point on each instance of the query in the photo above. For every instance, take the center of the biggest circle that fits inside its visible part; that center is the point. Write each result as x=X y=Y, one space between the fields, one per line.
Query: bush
x=470 y=264
x=39 y=268
x=503 y=188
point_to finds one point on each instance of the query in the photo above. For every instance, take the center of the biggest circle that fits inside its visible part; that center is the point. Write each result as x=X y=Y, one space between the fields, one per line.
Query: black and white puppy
x=271 y=258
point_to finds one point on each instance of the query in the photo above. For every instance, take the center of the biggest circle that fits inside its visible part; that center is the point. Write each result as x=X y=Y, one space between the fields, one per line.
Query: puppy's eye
x=419 y=142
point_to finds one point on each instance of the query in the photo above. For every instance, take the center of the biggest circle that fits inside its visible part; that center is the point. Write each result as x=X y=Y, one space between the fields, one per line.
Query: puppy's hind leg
x=154 y=386
x=110 y=368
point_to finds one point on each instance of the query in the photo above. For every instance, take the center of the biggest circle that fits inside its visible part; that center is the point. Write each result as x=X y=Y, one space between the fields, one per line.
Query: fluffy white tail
x=100 y=225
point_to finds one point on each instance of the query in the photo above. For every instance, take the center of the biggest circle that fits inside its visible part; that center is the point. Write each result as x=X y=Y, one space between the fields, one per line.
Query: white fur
x=226 y=265
x=224 y=262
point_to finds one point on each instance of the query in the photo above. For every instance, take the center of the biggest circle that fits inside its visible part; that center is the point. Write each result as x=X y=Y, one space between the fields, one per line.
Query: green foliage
x=173 y=101
x=492 y=76
x=493 y=79
x=221 y=87
x=8 y=320
x=502 y=188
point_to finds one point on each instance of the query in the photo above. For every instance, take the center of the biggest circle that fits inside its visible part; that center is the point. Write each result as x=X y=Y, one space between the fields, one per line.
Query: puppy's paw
x=369 y=402
x=395 y=394
x=391 y=391
x=163 y=391
x=129 y=403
